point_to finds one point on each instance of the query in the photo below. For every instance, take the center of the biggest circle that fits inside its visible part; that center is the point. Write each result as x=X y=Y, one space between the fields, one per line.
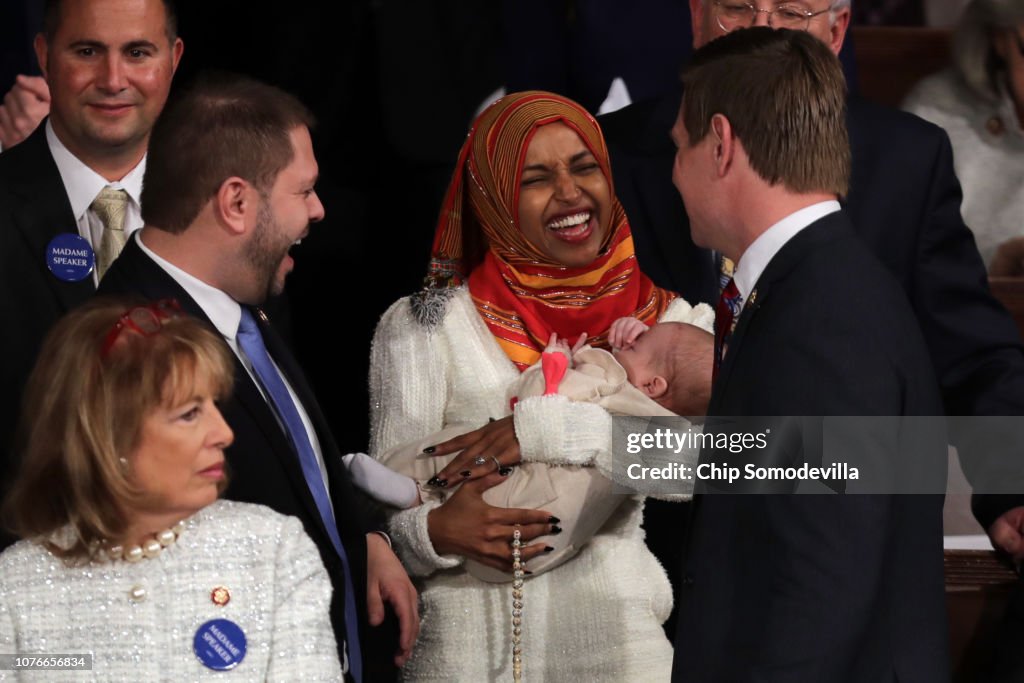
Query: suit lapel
x=135 y=271
x=748 y=313
x=282 y=355
x=287 y=365
x=782 y=264
x=41 y=211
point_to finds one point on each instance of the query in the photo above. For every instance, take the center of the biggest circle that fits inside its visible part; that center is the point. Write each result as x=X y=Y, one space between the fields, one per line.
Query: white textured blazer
x=595 y=618
x=139 y=620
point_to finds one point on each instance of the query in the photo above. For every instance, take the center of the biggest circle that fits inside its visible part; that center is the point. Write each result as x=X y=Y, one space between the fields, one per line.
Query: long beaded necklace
x=517 y=606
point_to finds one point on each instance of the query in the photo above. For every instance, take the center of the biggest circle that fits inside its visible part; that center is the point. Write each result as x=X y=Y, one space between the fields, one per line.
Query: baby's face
x=640 y=359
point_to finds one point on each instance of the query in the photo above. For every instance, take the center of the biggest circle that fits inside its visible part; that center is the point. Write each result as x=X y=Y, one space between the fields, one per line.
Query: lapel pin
x=220 y=596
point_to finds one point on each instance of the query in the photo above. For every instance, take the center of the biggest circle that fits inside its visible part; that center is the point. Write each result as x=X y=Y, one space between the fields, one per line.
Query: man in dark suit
x=109 y=71
x=904 y=204
x=229 y=189
x=801 y=587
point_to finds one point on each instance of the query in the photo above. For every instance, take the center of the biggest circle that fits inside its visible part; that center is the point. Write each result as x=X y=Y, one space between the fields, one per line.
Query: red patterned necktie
x=726 y=313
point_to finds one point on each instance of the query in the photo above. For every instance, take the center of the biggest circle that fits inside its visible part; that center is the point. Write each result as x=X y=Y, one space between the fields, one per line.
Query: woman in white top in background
x=980 y=103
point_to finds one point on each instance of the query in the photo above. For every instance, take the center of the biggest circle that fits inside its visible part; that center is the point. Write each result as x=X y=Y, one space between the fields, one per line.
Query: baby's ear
x=655 y=387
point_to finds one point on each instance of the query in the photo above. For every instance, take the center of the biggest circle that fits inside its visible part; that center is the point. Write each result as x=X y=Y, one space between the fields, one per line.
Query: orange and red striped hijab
x=520 y=293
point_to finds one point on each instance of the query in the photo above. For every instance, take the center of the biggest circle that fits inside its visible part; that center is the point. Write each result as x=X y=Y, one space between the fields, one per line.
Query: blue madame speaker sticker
x=219 y=644
x=70 y=257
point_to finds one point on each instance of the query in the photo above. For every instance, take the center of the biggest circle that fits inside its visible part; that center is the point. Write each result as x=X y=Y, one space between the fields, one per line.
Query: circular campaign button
x=219 y=644
x=69 y=257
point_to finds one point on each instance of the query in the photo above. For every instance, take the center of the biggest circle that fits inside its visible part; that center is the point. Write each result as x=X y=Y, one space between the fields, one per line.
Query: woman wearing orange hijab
x=531 y=241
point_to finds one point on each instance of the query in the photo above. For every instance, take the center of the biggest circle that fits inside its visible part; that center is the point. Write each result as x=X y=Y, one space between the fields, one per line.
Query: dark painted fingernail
x=556 y=530
x=442 y=483
x=554 y=520
x=465 y=473
x=491 y=419
x=504 y=471
x=548 y=549
x=527 y=572
x=430 y=449
x=433 y=481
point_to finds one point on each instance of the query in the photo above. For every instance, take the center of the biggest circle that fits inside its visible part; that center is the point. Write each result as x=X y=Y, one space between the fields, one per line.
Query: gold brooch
x=220 y=596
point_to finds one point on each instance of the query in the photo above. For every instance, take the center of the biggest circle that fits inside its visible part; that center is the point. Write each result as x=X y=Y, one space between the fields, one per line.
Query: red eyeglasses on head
x=145 y=320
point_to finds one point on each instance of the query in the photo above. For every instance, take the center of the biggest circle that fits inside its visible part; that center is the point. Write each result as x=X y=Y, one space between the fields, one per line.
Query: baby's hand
x=624 y=332
x=556 y=345
x=562 y=346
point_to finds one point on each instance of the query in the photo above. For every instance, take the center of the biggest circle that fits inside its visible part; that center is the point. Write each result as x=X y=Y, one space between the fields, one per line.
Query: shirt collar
x=760 y=253
x=224 y=312
x=82 y=184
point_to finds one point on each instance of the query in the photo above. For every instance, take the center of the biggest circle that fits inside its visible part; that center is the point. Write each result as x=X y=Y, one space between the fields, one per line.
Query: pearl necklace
x=150 y=548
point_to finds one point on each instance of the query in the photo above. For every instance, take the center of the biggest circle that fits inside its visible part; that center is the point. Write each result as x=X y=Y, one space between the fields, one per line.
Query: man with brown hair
x=74 y=184
x=229 y=189
x=800 y=587
x=904 y=202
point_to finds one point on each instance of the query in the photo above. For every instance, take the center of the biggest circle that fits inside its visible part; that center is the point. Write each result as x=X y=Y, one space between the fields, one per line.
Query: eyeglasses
x=145 y=320
x=732 y=15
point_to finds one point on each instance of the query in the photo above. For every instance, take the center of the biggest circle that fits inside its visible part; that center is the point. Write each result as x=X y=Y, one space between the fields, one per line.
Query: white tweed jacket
x=597 y=617
x=279 y=596
x=988 y=155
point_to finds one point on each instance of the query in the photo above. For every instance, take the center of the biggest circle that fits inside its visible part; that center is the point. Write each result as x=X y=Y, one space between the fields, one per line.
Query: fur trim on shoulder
x=430 y=304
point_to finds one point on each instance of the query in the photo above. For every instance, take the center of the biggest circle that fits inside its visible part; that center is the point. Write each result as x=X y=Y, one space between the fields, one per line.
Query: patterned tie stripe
x=726 y=314
x=110 y=206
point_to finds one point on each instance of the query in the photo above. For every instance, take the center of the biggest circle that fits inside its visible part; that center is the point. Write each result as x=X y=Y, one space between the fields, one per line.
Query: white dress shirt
x=225 y=313
x=760 y=253
x=83 y=184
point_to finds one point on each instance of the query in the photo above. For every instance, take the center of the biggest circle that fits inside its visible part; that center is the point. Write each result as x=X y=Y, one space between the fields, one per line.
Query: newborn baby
x=663 y=370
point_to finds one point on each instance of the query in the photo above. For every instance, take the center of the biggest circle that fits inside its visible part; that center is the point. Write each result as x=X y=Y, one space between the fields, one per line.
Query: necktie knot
x=110 y=206
x=247 y=327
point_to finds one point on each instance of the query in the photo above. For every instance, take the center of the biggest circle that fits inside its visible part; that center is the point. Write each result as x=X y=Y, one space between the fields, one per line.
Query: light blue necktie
x=251 y=341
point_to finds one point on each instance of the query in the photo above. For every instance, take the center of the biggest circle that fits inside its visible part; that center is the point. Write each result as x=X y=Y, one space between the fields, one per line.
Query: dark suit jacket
x=263 y=467
x=35 y=210
x=904 y=203
x=819 y=587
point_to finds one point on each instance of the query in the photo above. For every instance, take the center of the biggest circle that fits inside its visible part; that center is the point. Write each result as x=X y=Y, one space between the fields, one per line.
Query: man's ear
x=837 y=32
x=176 y=51
x=39 y=44
x=725 y=143
x=234 y=205
x=655 y=387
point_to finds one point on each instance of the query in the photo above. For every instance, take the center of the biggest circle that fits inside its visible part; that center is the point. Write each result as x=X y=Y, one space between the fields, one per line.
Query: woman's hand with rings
x=466 y=525
x=493 y=447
